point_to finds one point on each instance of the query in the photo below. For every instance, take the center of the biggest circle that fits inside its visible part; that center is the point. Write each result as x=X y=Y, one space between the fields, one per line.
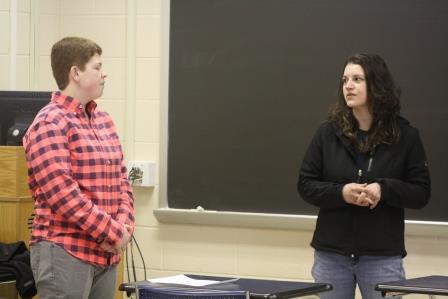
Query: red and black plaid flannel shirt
x=78 y=180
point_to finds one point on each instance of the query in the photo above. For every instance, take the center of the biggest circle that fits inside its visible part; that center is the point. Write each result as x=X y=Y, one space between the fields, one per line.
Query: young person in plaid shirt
x=83 y=200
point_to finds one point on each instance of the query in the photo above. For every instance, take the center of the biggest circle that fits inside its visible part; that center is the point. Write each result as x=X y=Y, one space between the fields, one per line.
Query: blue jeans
x=344 y=272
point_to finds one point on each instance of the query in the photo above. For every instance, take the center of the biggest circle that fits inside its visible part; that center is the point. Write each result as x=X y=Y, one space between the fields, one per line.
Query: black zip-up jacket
x=400 y=169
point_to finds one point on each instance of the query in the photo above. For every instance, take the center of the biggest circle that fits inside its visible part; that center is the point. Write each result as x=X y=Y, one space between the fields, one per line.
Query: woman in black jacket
x=362 y=168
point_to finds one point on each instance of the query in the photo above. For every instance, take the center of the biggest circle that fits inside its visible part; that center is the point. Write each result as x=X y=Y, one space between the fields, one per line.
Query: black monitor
x=17 y=111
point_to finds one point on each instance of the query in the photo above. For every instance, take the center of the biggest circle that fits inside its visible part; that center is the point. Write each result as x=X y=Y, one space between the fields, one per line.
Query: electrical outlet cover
x=142 y=173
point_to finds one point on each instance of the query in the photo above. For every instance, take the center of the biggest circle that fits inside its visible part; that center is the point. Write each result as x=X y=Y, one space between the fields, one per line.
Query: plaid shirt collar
x=72 y=104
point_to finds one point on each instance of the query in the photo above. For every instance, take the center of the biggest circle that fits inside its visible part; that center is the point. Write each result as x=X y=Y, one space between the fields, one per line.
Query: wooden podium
x=17 y=206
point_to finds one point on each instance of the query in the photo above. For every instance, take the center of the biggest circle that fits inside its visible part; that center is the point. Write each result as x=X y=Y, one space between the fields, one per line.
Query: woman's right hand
x=356 y=194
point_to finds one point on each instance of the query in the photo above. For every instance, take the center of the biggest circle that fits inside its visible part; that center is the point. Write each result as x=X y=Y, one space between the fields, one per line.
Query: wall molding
x=13 y=45
x=130 y=84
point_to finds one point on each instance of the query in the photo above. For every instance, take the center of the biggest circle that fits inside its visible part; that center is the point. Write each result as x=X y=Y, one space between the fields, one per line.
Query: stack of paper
x=185 y=280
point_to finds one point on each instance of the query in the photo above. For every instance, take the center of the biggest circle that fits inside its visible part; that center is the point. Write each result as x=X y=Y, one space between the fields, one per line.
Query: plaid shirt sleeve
x=49 y=162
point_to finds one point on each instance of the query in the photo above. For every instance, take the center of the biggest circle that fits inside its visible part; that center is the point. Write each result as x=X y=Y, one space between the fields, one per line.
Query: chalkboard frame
x=166 y=214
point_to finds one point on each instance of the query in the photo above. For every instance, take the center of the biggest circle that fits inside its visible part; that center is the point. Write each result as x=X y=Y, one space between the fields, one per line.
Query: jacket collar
x=344 y=140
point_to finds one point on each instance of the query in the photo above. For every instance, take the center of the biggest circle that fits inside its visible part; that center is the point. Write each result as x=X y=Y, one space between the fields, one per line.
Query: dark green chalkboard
x=251 y=80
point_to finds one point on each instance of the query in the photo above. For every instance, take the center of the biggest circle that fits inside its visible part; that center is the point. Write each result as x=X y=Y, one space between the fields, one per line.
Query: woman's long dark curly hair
x=383 y=99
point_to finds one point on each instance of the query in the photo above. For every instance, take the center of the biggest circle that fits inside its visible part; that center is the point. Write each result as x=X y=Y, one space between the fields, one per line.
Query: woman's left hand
x=373 y=192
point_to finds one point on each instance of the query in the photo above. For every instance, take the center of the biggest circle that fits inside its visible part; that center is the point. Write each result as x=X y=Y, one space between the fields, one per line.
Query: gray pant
x=59 y=275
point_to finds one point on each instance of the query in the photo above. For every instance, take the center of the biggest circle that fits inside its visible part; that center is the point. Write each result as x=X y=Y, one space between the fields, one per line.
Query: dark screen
x=250 y=82
x=17 y=111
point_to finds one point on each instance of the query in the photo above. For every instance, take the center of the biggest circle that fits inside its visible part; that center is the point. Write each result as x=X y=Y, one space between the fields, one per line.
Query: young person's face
x=354 y=86
x=92 y=79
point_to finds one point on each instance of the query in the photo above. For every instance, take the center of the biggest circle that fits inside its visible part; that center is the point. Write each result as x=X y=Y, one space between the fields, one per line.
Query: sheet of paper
x=184 y=280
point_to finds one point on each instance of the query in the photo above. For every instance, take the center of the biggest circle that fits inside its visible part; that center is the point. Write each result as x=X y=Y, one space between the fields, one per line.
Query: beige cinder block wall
x=15 y=52
x=131 y=36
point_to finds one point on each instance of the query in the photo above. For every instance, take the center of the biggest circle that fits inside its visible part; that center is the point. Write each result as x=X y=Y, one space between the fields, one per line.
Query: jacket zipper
x=353 y=254
x=354 y=249
x=369 y=166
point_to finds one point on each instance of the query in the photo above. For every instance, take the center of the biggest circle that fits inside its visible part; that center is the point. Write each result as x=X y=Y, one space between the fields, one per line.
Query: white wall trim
x=13 y=45
x=130 y=86
x=164 y=93
x=276 y=221
x=34 y=46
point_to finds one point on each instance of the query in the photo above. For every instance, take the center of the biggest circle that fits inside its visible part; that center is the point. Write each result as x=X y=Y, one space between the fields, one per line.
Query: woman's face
x=354 y=86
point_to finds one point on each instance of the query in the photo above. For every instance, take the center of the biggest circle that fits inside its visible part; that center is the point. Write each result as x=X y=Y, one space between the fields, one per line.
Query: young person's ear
x=74 y=73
